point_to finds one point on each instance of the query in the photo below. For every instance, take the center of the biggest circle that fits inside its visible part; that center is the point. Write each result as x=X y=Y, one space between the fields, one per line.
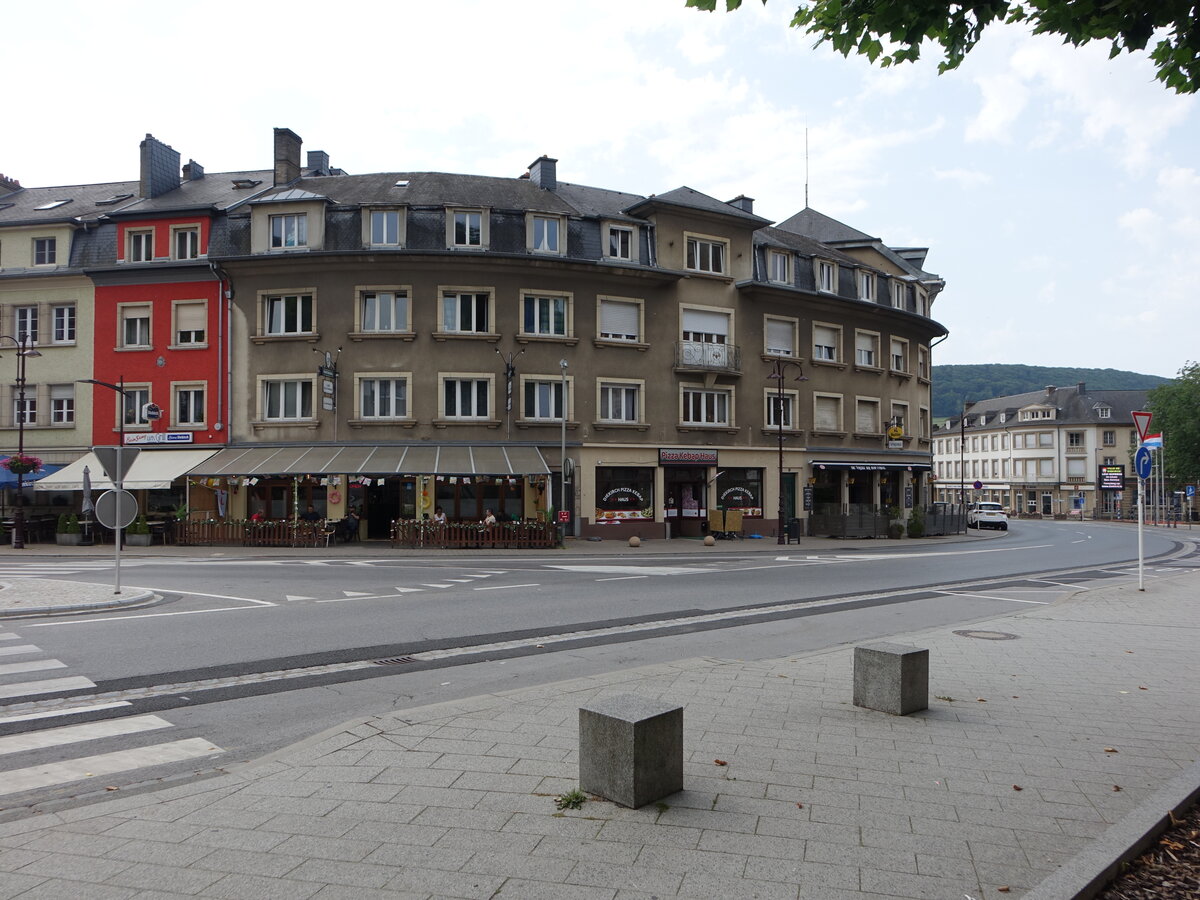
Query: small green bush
x=139 y=526
x=916 y=523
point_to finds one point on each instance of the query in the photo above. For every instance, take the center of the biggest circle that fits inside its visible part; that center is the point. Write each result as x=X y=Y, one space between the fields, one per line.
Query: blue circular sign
x=1141 y=462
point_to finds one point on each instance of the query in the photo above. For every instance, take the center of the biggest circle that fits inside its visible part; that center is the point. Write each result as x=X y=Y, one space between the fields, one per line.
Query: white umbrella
x=88 y=506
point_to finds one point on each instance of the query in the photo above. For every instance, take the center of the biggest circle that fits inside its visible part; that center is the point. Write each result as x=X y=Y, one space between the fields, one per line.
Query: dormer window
x=545 y=234
x=778 y=267
x=289 y=231
x=826 y=276
x=141 y=246
x=706 y=255
x=1105 y=412
x=899 y=295
x=866 y=286
x=385 y=228
x=620 y=242
x=466 y=228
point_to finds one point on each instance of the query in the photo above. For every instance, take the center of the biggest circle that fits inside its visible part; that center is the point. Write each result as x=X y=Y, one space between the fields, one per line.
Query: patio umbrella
x=88 y=506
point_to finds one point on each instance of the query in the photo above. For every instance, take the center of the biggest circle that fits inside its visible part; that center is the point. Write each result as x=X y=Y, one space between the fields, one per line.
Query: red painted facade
x=163 y=230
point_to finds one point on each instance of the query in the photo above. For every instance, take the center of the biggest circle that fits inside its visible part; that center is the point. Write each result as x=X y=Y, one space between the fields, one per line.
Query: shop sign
x=622 y=504
x=668 y=456
x=1112 y=478
x=161 y=437
x=808 y=498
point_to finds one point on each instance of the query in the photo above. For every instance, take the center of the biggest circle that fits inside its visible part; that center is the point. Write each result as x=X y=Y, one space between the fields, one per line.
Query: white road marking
x=69 y=711
x=439 y=585
x=105 y=764
x=635 y=570
x=8 y=637
x=186 y=612
x=459 y=580
x=623 y=578
x=45 y=687
x=986 y=597
x=505 y=587
x=37 y=665
x=358 y=593
x=18 y=649
x=73 y=734
x=1059 y=583
x=291 y=597
x=407 y=590
x=477 y=576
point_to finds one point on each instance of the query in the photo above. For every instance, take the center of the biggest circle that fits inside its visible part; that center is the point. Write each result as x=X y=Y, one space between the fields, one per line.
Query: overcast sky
x=1057 y=190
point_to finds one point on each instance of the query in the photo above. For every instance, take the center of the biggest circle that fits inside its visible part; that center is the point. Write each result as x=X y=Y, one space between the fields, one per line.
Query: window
x=975 y=444
x=383 y=398
x=706 y=256
x=777 y=266
x=1110 y=461
x=899 y=294
x=827 y=413
x=289 y=314
x=467 y=228
x=544 y=316
x=1045 y=439
x=1045 y=468
x=289 y=231
x=825 y=343
x=45 y=251
x=923 y=364
x=189 y=406
x=899 y=355
x=866 y=416
x=1105 y=412
x=1110 y=438
x=135 y=402
x=465 y=398
x=26 y=321
x=780 y=336
x=826 y=276
x=135 y=326
x=1076 y=468
x=141 y=246
x=545 y=234
x=187 y=243
x=62 y=404
x=620 y=320
x=465 y=312
x=384 y=311
x=385 y=228
x=288 y=399
x=781 y=411
x=543 y=399
x=1076 y=440
x=705 y=339
x=900 y=419
x=620 y=242
x=922 y=301
x=701 y=407
x=866 y=286
x=866 y=349
x=925 y=431
x=190 y=323
x=25 y=411
x=619 y=402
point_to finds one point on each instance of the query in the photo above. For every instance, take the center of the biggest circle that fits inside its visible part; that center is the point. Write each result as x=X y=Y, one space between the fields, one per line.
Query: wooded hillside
x=954 y=384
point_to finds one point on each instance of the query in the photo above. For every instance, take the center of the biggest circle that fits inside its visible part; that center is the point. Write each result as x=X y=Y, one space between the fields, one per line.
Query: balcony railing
x=700 y=356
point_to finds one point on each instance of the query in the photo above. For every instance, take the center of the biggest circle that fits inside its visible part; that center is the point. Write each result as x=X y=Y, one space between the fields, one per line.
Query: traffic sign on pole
x=1141 y=421
x=108 y=457
x=116 y=509
x=1142 y=462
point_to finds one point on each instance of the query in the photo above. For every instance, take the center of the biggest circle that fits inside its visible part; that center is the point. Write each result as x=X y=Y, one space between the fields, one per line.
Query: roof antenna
x=806 y=166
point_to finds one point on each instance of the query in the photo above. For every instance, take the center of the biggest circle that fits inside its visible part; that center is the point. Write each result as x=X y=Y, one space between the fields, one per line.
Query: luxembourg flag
x=1153 y=441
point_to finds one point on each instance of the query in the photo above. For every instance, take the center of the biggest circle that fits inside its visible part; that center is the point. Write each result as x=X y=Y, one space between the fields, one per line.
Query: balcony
x=696 y=356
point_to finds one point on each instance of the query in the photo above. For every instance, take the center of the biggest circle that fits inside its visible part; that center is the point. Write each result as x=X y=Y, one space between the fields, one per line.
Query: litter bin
x=793 y=530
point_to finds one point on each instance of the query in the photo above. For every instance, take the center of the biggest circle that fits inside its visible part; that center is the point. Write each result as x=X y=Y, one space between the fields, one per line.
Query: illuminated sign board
x=1111 y=478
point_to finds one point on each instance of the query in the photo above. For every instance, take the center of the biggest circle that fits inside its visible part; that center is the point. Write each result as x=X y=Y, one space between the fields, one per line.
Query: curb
x=30 y=611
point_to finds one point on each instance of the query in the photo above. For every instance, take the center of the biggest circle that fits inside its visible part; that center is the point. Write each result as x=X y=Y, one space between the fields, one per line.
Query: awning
x=871 y=465
x=360 y=459
x=9 y=480
x=151 y=470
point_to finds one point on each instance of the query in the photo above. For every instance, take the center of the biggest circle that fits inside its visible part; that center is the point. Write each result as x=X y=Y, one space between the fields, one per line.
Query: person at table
x=350 y=526
x=489 y=518
x=311 y=514
x=439 y=516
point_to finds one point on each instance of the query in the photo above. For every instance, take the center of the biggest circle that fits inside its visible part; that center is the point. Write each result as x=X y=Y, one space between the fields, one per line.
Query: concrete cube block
x=892 y=678
x=631 y=749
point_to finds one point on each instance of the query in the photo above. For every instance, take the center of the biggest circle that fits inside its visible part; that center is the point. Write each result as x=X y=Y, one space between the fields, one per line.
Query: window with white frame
x=287 y=399
x=705 y=407
x=899 y=294
x=465 y=398
x=922 y=301
x=543 y=399
x=779 y=266
x=289 y=231
x=706 y=255
x=923 y=362
x=1105 y=412
x=545 y=234
x=45 y=251
x=25 y=319
x=289 y=314
x=385 y=228
x=620 y=320
x=134 y=405
x=705 y=338
x=383 y=398
x=189 y=405
x=619 y=402
x=191 y=323
x=141 y=246
x=383 y=311
x=826 y=341
x=62 y=404
x=1045 y=438
x=544 y=316
x=925 y=426
x=1109 y=438
x=827 y=413
x=1045 y=468
x=1076 y=440
x=899 y=418
x=620 y=242
x=25 y=411
x=466 y=229
x=780 y=336
x=1076 y=468
x=899 y=355
x=465 y=312
x=866 y=285
x=781 y=410
x=826 y=276
x=866 y=349
x=187 y=243
x=866 y=415
x=135 y=325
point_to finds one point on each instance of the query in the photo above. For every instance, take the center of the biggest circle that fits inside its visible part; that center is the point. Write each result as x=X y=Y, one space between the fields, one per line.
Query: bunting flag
x=1153 y=441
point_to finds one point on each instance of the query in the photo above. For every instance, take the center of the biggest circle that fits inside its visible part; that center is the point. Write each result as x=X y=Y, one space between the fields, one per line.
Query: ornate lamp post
x=24 y=352
x=778 y=373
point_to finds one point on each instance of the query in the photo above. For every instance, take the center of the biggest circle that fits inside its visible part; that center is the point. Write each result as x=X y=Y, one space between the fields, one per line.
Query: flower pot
x=68 y=540
x=137 y=540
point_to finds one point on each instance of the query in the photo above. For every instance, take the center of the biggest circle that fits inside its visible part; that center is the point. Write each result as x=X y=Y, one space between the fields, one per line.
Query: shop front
x=858 y=498
x=686 y=490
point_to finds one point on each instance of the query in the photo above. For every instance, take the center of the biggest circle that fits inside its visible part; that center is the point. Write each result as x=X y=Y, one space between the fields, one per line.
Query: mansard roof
x=1075 y=405
x=85 y=203
x=690 y=198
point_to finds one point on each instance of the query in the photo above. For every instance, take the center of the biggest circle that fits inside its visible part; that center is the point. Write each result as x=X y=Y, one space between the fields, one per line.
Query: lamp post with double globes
x=782 y=412
x=24 y=352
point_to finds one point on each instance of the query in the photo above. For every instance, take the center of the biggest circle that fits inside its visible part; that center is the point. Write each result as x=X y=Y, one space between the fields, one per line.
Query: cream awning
x=362 y=459
x=151 y=470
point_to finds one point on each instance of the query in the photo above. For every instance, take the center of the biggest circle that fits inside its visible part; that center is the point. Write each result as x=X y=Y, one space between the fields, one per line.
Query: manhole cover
x=988 y=635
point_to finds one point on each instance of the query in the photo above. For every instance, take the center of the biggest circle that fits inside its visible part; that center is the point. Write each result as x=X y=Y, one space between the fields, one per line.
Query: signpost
x=1141 y=421
x=116 y=462
x=1141 y=466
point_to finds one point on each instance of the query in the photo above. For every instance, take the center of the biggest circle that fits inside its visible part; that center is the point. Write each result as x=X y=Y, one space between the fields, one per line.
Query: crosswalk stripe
x=9 y=637
x=45 y=687
x=406 y=590
x=73 y=734
x=69 y=711
x=439 y=585
x=18 y=649
x=36 y=665
x=104 y=764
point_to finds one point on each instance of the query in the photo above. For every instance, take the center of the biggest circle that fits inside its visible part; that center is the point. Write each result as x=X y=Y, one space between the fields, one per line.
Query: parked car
x=987 y=515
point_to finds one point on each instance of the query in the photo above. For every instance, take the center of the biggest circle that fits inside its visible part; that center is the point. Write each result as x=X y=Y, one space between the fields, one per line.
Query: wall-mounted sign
x=667 y=456
x=161 y=437
x=1111 y=478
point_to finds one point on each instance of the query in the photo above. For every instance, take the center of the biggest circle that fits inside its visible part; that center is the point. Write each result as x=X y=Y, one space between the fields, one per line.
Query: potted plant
x=138 y=533
x=895 y=523
x=68 y=532
x=22 y=465
x=916 y=523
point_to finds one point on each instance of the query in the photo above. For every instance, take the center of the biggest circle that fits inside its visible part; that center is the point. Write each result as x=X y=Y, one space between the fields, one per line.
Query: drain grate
x=988 y=635
x=395 y=661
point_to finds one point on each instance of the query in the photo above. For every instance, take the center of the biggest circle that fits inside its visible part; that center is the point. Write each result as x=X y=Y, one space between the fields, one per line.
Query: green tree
x=864 y=26
x=1176 y=408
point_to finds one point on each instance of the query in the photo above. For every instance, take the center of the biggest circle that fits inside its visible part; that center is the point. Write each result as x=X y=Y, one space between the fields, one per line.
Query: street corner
x=46 y=597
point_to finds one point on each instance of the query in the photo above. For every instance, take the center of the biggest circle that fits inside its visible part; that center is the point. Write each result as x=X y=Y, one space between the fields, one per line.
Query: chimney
x=159 y=168
x=318 y=162
x=8 y=184
x=1081 y=388
x=287 y=156
x=193 y=171
x=543 y=173
x=744 y=203
x=1050 y=389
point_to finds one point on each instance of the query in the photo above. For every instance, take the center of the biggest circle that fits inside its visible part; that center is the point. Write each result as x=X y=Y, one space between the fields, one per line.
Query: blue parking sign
x=1191 y=492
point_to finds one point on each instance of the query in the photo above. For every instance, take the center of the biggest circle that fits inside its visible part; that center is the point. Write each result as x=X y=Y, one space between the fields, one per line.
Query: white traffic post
x=1141 y=539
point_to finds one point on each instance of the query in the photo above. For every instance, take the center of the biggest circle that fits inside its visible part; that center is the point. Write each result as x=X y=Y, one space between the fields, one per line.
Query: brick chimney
x=543 y=172
x=159 y=168
x=287 y=156
x=193 y=171
x=318 y=162
x=8 y=185
x=744 y=203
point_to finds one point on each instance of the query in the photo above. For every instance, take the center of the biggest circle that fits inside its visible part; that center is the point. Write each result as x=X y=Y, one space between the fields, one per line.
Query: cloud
x=965 y=178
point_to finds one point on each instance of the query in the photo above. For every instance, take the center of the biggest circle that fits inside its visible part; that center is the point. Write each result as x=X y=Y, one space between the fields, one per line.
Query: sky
x=1058 y=191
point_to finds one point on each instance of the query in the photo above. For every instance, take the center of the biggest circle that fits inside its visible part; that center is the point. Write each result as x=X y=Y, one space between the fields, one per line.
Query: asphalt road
x=229 y=659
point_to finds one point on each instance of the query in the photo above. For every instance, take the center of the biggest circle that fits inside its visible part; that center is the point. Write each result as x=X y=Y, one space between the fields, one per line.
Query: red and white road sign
x=1141 y=421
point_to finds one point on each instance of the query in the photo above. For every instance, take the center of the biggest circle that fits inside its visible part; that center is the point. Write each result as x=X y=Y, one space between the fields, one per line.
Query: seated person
x=489 y=518
x=311 y=514
x=350 y=526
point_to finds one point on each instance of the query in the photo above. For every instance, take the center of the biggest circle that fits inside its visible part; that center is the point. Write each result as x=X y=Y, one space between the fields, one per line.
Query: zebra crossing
x=50 y=568
x=56 y=750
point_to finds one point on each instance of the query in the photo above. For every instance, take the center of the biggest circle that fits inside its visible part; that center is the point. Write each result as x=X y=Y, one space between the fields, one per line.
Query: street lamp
x=778 y=373
x=24 y=352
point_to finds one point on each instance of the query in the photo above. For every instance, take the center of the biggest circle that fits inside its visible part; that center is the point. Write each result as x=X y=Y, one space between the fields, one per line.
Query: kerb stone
x=631 y=749
x=892 y=678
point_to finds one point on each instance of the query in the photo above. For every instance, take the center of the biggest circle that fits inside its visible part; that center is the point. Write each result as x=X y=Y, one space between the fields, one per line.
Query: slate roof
x=20 y=207
x=821 y=227
x=599 y=202
x=436 y=189
x=216 y=190
x=690 y=198
x=806 y=246
x=1072 y=406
